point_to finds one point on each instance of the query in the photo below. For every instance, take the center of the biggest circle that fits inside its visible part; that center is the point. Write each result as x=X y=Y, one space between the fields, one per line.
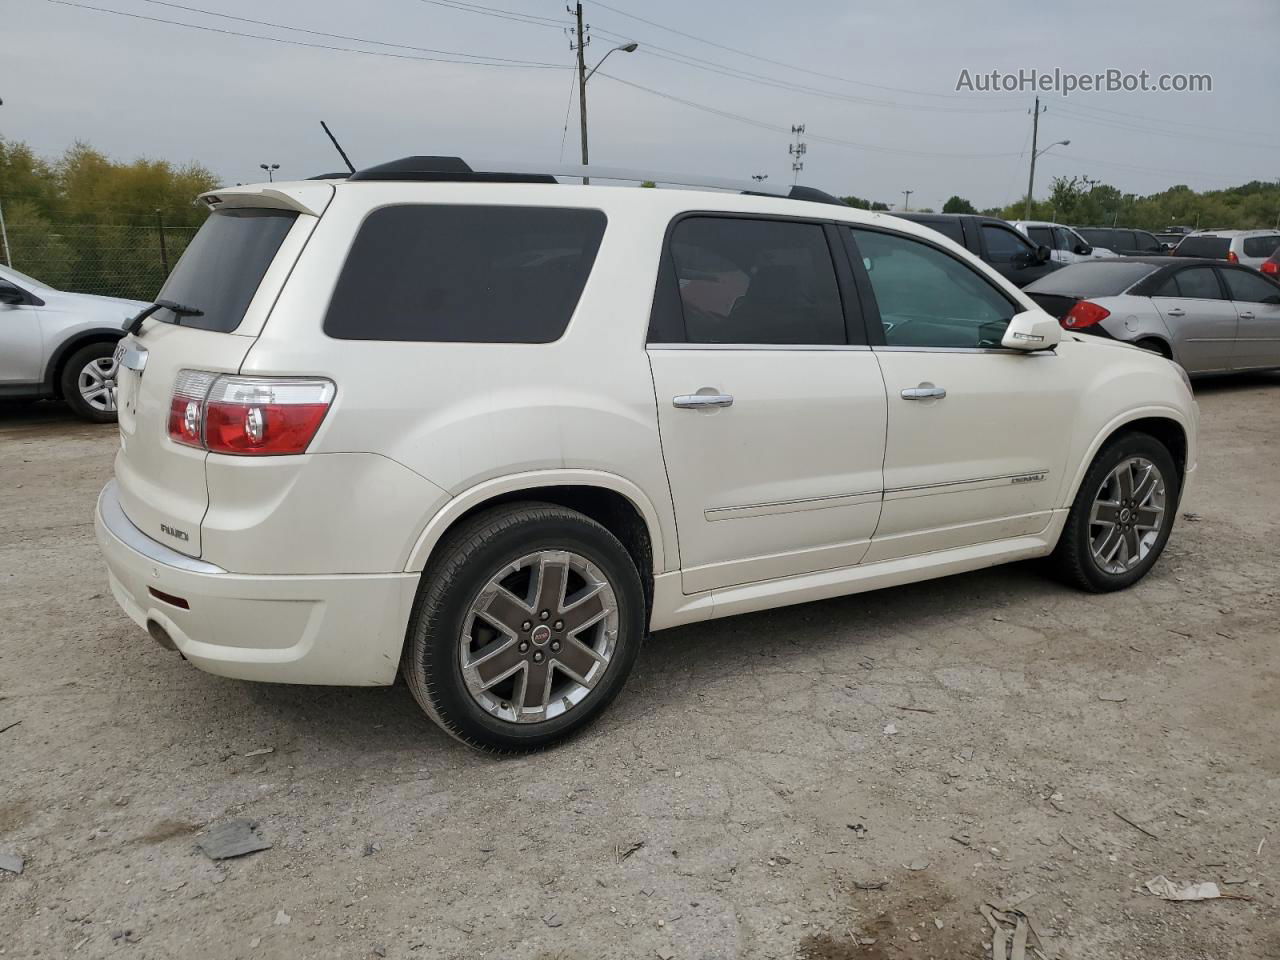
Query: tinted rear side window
x=1097 y=278
x=1261 y=246
x=756 y=282
x=1097 y=237
x=465 y=274
x=1213 y=247
x=222 y=266
x=951 y=229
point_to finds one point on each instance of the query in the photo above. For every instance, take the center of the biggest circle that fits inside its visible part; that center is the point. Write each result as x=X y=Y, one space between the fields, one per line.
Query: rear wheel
x=526 y=624
x=1122 y=515
x=89 y=382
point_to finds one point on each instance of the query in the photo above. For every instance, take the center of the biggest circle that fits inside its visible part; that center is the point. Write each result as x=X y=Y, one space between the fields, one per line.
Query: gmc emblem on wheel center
x=174 y=532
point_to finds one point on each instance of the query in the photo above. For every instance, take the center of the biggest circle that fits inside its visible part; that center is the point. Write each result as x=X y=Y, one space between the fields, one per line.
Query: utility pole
x=582 y=84
x=906 y=200
x=4 y=241
x=797 y=151
x=1031 y=180
x=164 y=251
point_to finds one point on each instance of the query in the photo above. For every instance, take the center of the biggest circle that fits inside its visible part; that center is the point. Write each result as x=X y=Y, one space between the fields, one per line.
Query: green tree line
x=88 y=223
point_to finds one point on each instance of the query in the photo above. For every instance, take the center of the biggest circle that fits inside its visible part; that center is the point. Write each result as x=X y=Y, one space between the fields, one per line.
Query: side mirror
x=11 y=294
x=1031 y=330
x=1083 y=250
x=1043 y=254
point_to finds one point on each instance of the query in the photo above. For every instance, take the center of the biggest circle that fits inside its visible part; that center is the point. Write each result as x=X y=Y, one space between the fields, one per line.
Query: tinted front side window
x=1198 y=283
x=470 y=274
x=1250 y=287
x=1148 y=243
x=222 y=266
x=1003 y=244
x=756 y=282
x=1261 y=246
x=1097 y=237
x=928 y=298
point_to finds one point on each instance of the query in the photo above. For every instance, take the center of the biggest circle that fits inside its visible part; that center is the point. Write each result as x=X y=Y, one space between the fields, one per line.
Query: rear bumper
x=344 y=630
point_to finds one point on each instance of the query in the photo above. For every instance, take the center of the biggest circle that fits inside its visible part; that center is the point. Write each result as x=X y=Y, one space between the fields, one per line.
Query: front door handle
x=1246 y=316
x=1176 y=312
x=926 y=391
x=700 y=401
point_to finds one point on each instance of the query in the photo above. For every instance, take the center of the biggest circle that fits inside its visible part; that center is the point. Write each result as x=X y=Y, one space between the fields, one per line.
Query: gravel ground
x=747 y=796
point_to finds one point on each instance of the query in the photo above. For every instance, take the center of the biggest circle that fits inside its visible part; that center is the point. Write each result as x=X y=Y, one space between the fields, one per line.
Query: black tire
x=460 y=567
x=1073 y=557
x=70 y=387
x=1155 y=346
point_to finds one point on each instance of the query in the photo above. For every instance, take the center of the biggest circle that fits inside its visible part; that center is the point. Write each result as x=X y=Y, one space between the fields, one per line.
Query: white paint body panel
x=819 y=480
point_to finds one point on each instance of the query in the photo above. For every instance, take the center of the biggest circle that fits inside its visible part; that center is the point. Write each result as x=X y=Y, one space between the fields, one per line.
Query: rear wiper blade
x=178 y=309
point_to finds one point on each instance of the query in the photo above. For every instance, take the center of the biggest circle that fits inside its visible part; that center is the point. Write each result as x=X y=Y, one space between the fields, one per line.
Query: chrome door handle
x=699 y=401
x=1175 y=312
x=924 y=392
x=1246 y=316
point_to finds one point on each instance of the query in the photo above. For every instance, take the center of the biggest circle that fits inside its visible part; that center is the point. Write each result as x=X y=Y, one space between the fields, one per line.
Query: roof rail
x=455 y=169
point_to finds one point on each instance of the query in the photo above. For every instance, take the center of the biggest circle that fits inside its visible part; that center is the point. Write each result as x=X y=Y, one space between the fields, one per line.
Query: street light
x=584 y=76
x=1031 y=180
x=270 y=168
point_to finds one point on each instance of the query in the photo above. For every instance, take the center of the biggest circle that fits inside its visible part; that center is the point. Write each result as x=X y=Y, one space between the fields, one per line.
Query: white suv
x=488 y=430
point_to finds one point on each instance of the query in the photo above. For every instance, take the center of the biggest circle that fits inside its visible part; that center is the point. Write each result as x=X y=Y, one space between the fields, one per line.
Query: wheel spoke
x=1106 y=551
x=553 y=574
x=93 y=392
x=91 y=373
x=497 y=661
x=1148 y=518
x=584 y=611
x=1124 y=480
x=1133 y=546
x=1105 y=511
x=506 y=611
x=535 y=691
x=577 y=658
x=1146 y=485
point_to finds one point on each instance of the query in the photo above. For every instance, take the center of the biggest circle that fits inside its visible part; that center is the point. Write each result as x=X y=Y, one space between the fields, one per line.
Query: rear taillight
x=1271 y=268
x=1231 y=257
x=1084 y=314
x=248 y=416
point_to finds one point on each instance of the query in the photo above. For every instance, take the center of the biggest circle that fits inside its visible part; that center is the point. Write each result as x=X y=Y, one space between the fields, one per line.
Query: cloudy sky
x=873 y=83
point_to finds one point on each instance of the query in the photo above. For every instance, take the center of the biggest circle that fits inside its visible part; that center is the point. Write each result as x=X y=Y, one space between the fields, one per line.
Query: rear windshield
x=1213 y=247
x=1098 y=278
x=1261 y=246
x=465 y=274
x=221 y=268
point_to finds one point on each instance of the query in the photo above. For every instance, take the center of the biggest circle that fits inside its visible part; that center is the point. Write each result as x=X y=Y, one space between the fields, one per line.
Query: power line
x=789 y=66
x=1076 y=105
x=1173 y=134
x=835 y=141
x=339 y=36
x=531 y=65
x=532 y=19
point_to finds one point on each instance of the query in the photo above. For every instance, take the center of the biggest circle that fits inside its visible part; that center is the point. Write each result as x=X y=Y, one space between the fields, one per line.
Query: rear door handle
x=1176 y=312
x=926 y=391
x=699 y=401
x=1246 y=316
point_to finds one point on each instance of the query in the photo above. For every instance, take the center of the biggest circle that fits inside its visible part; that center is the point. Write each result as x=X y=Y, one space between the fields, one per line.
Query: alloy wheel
x=1127 y=515
x=539 y=636
x=97 y=384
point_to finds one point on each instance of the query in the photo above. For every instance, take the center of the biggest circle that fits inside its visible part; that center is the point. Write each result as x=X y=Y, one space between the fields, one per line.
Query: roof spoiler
x=309 y=197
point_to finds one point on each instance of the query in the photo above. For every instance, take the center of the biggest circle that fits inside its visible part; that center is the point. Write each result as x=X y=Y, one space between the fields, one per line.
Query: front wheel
x=89 y=382
x=1122 y=515
x=527 y=622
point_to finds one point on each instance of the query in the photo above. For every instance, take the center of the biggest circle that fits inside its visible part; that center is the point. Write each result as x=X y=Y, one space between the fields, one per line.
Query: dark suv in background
x=1016 y=258
x=1125 y=241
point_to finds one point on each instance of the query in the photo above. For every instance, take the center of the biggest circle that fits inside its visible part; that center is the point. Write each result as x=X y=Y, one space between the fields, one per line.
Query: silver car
x=59 y=344
x=1210 y=316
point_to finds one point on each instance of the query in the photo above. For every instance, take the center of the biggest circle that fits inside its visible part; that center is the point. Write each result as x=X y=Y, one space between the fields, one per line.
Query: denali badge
x=175 y=532
x=1028 y=478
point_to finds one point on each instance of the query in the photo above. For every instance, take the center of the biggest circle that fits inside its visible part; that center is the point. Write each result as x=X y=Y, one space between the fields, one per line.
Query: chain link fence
x=113 y=261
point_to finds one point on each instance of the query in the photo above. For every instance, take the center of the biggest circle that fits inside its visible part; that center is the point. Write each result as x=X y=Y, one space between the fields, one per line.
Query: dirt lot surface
x=848 y=779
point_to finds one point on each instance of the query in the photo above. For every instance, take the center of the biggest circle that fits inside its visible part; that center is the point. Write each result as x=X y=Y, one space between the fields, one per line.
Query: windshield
x=220 y=271
x=1098 y=278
